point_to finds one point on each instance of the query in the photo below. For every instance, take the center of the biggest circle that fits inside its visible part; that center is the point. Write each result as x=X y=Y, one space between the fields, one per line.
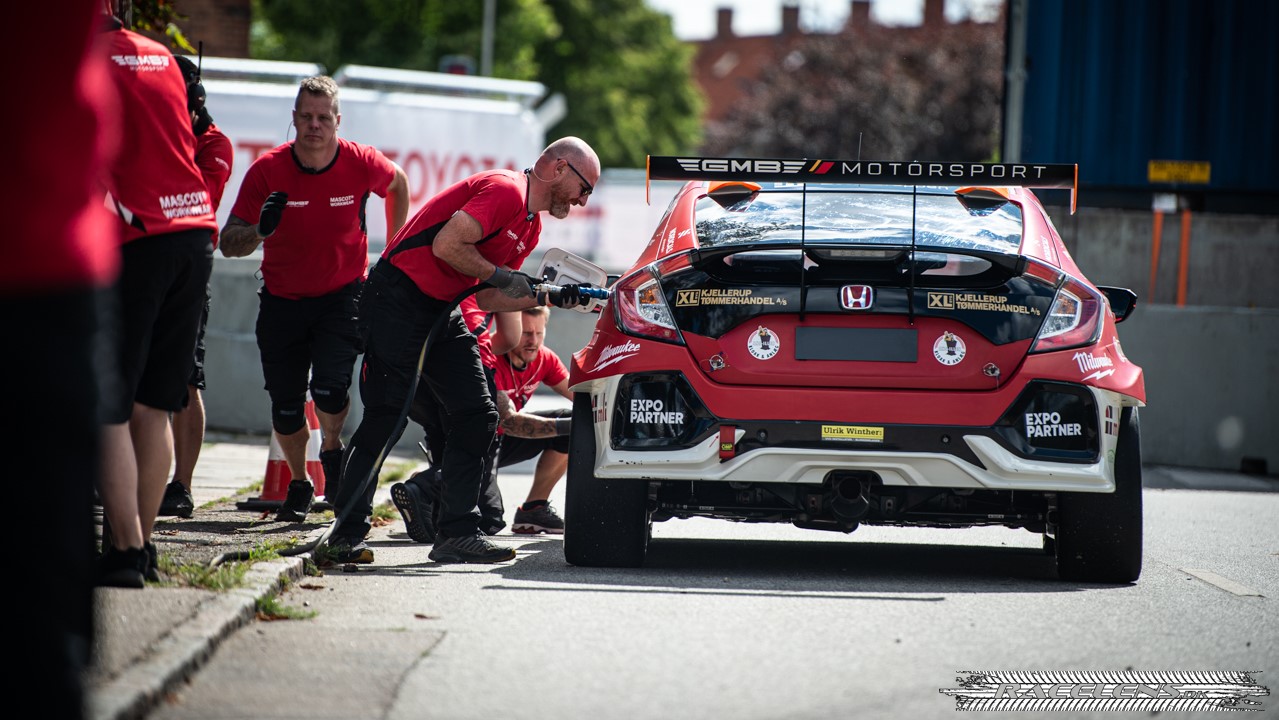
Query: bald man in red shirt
x=480 y=229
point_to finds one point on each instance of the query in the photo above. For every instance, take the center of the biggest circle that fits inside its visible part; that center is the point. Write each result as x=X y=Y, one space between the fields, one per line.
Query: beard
x=560 y=204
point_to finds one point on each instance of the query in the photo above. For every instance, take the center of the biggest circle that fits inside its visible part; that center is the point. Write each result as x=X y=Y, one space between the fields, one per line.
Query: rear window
x=860 y=215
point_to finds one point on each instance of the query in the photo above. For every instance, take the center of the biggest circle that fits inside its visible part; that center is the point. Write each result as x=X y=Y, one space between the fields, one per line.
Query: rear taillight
x=1073 y=320
x=641 y=310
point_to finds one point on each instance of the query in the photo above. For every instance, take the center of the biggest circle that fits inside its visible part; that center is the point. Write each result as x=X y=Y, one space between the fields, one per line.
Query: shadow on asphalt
x=791 y=568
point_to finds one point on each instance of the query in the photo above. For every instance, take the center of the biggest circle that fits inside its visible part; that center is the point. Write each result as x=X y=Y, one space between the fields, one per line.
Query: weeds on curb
x=270 y=608
x=224 y=576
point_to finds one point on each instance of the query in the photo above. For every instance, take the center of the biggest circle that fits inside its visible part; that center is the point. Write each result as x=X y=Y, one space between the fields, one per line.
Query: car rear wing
x=865 y=172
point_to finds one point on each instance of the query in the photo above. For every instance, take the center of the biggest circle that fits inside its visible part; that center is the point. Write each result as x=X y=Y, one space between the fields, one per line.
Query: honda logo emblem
x=857 y=297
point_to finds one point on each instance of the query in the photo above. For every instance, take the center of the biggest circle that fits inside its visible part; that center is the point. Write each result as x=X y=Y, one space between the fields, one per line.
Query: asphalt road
x=750 y=621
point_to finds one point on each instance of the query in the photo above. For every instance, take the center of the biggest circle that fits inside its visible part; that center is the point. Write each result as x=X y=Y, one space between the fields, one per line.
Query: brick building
x=726 y=64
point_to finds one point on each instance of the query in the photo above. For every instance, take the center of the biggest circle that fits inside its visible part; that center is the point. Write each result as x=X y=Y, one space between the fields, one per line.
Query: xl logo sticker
x=684 y=298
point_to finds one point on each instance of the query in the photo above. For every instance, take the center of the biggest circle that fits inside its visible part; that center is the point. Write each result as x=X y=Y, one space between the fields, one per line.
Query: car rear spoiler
x=864 y=172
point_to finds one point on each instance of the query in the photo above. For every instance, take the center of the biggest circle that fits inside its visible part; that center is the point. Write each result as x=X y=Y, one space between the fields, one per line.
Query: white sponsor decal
x=185 y=204
x=1049 y=424
x=615 y=354
x=1107 y=690
x=942 y=170
x=298 y=203
x=740 y=166
x=511 y=234
x=654 y=411
x=149 y=63
x=599 y=408
x=1100 y=366
x=669 y=244
x=763 y=344
x=341 y=201
x=949 y=349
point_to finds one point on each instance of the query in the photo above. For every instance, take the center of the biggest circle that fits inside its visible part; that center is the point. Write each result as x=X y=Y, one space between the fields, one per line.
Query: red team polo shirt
x=160 y=143
x=213 y=155
x=59 y=235
x=321 y=243
x=496 y=199
x=520 y=384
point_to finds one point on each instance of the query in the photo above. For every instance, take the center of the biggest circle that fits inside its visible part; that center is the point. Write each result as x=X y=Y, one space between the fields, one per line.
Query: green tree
x=925 y=93
x=626 y=78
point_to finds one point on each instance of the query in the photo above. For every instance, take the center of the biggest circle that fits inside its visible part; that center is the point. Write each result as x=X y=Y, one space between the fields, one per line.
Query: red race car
x=832 y=343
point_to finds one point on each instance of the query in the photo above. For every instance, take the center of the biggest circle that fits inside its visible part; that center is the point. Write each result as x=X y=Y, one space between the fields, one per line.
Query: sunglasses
x=587 y=188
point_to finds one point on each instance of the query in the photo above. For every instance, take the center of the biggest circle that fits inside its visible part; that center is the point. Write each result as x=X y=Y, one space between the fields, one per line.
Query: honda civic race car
x=831 y=343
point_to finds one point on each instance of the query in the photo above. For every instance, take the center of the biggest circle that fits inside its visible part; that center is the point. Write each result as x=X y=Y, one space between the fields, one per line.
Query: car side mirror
x=1122 y=301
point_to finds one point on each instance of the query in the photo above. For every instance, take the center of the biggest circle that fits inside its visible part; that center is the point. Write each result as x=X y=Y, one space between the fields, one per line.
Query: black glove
x=566 y=297
x=512 y=284
x=272 y=209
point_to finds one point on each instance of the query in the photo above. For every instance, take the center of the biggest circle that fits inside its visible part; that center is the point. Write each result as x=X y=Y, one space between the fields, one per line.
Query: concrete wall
x=1211 y=367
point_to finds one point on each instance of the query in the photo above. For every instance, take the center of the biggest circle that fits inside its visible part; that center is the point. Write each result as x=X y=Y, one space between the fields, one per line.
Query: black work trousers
x=397 y=318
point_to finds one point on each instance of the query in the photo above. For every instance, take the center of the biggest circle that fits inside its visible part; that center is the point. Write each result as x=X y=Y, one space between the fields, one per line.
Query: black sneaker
x=297 y=503
x=152 y=571
x=122 y=568
x=416 y=511
x=349 y=551
x=470 y=549
x=540 y=518
x=177 y=501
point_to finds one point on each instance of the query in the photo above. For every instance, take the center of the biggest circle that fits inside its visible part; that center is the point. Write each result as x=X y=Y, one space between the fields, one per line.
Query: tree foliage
x=626 y=78
x=905 y=94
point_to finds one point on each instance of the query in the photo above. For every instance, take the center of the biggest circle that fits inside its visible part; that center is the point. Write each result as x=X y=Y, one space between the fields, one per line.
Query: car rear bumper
x=979 y=458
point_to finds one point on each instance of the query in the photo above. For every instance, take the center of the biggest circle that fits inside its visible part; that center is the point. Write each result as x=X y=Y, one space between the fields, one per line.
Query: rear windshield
x=861 y=215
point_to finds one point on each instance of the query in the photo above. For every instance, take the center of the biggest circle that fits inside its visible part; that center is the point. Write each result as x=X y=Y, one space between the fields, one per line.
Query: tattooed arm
x=527 y=425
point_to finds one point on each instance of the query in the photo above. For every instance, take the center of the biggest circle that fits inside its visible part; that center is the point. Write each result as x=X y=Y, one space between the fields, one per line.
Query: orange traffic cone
x=275 y=484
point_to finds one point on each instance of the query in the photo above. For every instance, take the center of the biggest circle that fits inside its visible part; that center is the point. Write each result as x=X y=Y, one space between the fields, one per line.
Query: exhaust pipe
x=847 y=497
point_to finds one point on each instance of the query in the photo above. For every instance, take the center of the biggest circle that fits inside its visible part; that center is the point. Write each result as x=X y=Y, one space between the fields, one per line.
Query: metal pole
x=486 y=40
x=1015 y=81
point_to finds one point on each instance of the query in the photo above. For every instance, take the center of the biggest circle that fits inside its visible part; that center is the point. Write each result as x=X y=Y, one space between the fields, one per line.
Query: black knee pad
x=288 y=417
x=331 y=400
x=474 y=434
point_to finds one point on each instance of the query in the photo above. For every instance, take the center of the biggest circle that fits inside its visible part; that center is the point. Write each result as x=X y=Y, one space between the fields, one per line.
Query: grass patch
x=270 y=608
x=225 y=576
x=395 y=473
x=385 y=513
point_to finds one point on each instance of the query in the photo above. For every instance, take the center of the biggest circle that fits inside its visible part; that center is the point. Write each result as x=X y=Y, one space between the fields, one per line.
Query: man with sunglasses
x=481 y=229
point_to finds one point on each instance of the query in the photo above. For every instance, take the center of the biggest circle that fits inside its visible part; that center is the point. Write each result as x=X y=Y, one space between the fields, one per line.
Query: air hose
x=440 y=323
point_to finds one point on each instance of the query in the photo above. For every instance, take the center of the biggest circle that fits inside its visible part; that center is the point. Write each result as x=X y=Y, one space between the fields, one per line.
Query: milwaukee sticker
x=763 y=344
x=853 y=433
x=949 y=349
x=1100 y=367
x=615 y=354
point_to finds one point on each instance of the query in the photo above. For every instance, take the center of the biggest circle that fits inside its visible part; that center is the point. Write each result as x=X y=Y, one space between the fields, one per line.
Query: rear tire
x=1099 y=535
x=606 y=521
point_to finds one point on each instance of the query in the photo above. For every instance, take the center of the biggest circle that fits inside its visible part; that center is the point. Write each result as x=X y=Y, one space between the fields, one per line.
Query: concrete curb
x=185 y=648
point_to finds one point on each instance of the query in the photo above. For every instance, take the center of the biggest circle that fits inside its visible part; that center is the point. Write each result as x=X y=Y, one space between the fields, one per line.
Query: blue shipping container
x=1114 y=84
